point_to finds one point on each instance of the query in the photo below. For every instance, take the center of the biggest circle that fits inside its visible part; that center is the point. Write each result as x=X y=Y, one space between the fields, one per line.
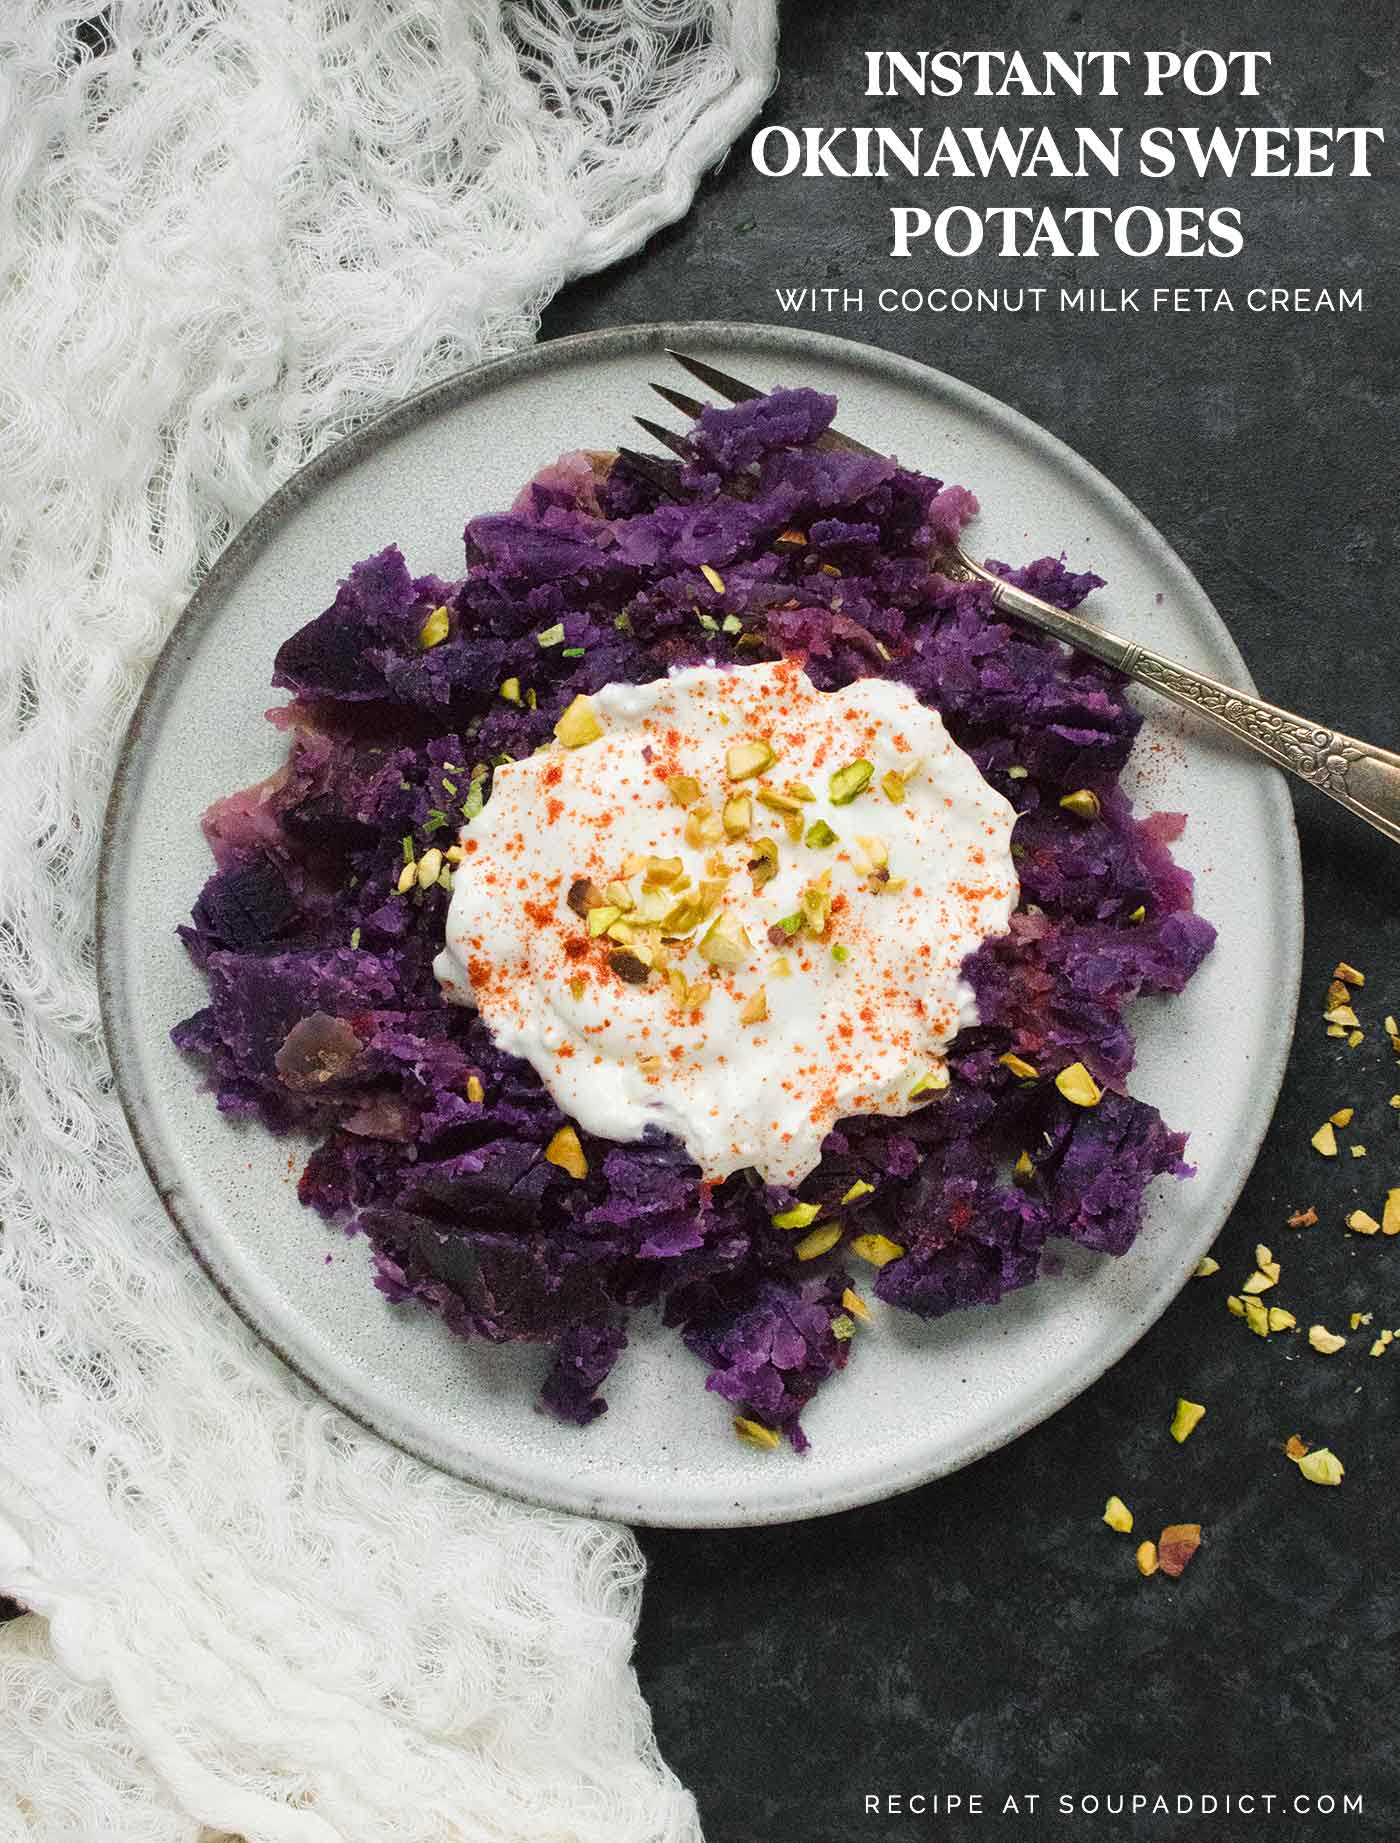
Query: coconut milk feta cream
x=734 y=907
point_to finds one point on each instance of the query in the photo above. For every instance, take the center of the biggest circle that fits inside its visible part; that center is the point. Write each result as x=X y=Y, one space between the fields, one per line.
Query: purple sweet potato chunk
x=342 y=653
x=248 y=905
x=770 y=1354
x=1113 y=1150
x=323 y=1005
x=583 y=1359
x=729 y=440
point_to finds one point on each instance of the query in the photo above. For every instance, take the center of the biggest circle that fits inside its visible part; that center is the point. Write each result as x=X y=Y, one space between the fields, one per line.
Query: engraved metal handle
x=1355 y=774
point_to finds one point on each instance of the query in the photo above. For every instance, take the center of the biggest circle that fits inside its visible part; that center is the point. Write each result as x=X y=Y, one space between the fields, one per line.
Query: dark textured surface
x=988 y=1633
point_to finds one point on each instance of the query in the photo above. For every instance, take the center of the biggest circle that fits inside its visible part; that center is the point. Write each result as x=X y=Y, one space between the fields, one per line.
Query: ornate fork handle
x=1356 y=774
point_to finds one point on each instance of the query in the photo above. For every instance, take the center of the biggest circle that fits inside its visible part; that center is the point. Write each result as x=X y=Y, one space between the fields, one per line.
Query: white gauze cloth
x=230 y=229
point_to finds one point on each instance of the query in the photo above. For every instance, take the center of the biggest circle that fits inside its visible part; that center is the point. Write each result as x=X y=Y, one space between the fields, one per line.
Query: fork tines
x=719 y=381
x=688 y=406
x=676 y=443
x=654 y=471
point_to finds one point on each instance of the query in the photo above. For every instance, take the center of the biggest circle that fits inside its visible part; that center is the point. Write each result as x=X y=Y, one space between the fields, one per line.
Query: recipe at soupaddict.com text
x=1267 y=299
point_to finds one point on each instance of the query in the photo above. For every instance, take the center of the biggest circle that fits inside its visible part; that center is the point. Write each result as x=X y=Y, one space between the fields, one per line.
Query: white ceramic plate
x=917 y=1400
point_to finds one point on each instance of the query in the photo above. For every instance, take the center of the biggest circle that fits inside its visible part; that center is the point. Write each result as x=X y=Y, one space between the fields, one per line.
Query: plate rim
x=345 y=452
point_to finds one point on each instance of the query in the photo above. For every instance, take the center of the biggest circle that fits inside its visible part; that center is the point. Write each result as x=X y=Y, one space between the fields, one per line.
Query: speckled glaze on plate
x=918 y=1400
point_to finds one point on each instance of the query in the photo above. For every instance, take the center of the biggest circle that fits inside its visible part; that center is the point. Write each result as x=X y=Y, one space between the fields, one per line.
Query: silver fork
x=1356 y=774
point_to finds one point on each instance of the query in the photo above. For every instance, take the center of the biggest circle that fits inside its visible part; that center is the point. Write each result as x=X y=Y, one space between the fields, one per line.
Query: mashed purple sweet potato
x=324 y=1010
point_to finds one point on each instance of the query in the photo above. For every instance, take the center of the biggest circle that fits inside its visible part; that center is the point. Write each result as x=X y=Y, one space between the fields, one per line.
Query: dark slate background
x=987 y=1633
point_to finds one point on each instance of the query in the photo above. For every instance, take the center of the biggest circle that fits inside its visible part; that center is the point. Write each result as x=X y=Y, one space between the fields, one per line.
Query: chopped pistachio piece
x=1078 y=1086
x=1363 y=1224
x=565 y=1151
x=932 y=1081
x=1017 y=773
x=1355 y=1037
x=475 y=1092
x=1324 y=1140
x=855 y=1305
x=713 y=577
x=1342 y=1015
x=408 y=876
x=1326 y=1342
x=879 y=1250
x=755 y=1008
x=797 y=1216
x=1256 y=1316
x=579 y=724
x=354 y=937
x=1205 y=1267
x=1279 y=1320
x=820 y=835
x=840 y=953
x=815 y=903
x=1258 y=1283
x=798 y=790
x=787 y=804
x=1343 y=1116
x=820 y=1241
x=754 y=1433
x=620 y=897
x=725 y=942
x=780 y=967
x=1322 y=1467
x=663 y=872
x=1023 y=1168
x=1018 y=1066
x=1390 y=1215
x=601 y=919
x=552 y=636
x=429 y=868
x=1236 y=1305
x=1139 y=914
x=737 y=816
x=1083 y=803
x=1117 y=1515
x=892 y=786
x=846 y=783
x=684 y=789
x=857 y=1190
x=1264 y=1260
x=584 y=895
x=1358 y=1319
x=1147 y=1558
x=843 y=1327
x=1187 y=1418
x=631 y=964
x=745 y=759
x=510 y=690
x=1357 y=1151
x=435 y=629
x=1176 y=1545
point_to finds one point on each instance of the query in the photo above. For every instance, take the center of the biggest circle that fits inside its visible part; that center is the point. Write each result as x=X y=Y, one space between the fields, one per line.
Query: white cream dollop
x=856 y=1016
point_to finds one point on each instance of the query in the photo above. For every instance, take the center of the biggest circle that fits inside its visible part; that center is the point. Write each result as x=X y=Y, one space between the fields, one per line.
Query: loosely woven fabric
x=230 y=230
